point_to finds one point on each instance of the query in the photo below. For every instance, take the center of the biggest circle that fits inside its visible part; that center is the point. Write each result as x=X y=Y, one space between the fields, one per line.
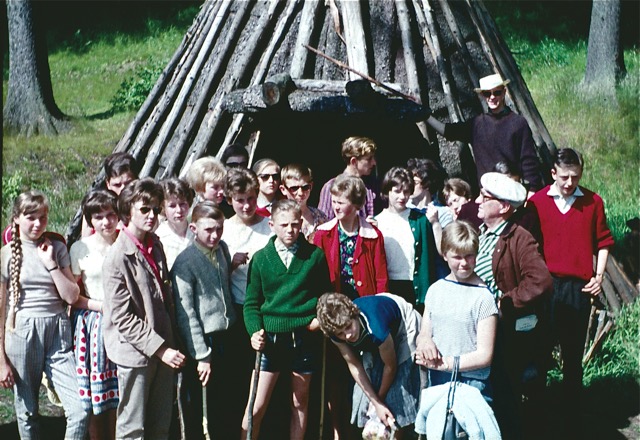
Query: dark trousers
x=191 y=393
x=569 y=311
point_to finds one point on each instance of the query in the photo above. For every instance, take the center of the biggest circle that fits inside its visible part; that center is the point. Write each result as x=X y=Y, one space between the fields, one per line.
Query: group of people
x=407 y=277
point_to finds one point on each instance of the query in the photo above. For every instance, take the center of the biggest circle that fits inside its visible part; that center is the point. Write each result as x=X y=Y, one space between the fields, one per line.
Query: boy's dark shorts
x=295 y=351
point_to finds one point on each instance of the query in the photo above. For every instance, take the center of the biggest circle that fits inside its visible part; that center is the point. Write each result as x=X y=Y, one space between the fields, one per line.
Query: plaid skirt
x=97 y=375
x=402 y=398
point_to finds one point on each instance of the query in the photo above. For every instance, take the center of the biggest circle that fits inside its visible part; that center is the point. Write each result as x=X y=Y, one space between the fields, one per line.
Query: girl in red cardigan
x=357 y=267
x=354 y=248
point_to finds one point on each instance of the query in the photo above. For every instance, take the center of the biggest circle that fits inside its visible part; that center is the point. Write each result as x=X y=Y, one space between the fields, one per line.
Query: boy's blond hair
x=296 y=171
x=206 y=169
x=458 y=187
x=357 y=146
x=285 y=205
x=351 y=187
x=460 y=237
x=334 y=312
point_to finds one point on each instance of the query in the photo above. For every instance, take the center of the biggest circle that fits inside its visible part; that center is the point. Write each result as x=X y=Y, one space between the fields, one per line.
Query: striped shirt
x=488 y=241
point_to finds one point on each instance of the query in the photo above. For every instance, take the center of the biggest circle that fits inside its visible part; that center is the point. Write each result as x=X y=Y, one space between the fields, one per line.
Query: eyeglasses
x=487 y=197
x=265 y=177
x=237 y=164
x=147 y=209
x=295 y=188
x=488 y=93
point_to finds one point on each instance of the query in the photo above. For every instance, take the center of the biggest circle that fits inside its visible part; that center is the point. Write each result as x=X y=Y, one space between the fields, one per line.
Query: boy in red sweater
x=574 y=229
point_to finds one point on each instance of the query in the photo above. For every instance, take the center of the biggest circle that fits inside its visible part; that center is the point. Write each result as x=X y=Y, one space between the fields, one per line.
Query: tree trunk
x=605 y=58
x=30 y=108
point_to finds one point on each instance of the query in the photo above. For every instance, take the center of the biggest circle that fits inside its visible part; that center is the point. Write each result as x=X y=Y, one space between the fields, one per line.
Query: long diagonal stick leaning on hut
x=363 y=75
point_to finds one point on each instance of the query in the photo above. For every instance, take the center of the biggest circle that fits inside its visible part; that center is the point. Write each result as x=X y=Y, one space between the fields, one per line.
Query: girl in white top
x=174 y=232
x=35 y=332
x=97 y=375
x=460 y=316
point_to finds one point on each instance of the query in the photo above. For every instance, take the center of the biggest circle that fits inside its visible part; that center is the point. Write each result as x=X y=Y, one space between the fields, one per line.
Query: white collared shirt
x=286 y=253
x=563 y=204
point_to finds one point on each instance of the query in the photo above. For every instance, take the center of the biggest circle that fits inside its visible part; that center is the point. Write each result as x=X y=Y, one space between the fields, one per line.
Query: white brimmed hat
x=504 y=188
x=491 y=82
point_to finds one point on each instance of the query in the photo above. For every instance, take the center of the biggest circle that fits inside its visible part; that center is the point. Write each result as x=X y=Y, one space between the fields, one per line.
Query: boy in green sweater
x=285 y=279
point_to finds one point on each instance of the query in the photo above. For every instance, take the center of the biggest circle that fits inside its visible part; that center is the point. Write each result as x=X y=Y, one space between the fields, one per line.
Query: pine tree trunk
x=605 y=58
x=30 y=108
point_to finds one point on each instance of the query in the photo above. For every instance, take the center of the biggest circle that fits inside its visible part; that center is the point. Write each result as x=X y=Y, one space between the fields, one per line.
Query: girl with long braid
x=35 y=332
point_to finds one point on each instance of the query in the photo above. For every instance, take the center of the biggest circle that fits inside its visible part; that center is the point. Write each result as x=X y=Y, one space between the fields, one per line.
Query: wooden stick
x=323 y=379
x=587 y=338
x=367 y=77
x=252 y=396
x=205 y=417
x=598 y=341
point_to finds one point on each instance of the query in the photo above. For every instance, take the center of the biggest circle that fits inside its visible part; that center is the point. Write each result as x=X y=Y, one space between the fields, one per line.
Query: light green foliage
x=605 y=132
x=620 y=353
x=134 y=90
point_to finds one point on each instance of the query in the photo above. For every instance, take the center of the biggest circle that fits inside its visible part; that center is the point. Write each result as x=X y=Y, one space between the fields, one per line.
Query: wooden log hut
x=245 y=72
x=211 y=92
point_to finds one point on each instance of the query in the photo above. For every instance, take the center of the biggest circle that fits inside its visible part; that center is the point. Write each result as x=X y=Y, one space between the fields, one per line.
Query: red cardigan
x=369 y=257
x=569 y=241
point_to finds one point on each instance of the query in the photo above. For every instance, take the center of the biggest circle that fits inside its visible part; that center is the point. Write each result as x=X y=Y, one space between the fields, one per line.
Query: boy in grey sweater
x=204 y=313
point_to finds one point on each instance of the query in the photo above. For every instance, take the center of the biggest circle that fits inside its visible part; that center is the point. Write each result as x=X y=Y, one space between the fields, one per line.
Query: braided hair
x=26 y=203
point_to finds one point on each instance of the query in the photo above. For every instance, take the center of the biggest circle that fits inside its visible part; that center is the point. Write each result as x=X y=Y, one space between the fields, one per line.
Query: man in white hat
x=512 y=267
x=498 y=135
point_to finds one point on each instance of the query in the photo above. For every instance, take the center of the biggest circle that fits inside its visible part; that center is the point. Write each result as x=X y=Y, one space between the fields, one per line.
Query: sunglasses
x=147 y=209
x=488 y=93
x=237 y=164
x=295 y=188
x=265 y=177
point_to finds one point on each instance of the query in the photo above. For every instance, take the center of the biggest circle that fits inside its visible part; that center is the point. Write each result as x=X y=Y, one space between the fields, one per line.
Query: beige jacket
x=138 y=318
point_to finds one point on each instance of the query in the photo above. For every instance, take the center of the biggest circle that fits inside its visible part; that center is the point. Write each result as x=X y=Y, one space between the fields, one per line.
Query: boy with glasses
x=498 y=135
x=297 y=183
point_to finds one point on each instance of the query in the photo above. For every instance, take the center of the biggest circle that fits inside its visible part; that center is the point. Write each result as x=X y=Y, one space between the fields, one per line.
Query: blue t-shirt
x=379 y=317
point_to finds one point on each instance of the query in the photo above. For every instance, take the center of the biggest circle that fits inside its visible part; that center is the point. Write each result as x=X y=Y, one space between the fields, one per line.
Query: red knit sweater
x=569 y=241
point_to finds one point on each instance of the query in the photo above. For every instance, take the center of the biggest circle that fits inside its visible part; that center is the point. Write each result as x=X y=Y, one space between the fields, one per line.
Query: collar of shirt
x=209 y=253
x=146 y=248
x=497 y=230
x=285 y=253
x=280 y=247
x=553 y=191
x=564 y=204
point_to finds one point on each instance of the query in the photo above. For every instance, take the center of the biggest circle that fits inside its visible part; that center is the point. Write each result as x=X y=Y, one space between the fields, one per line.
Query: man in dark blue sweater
x=498 y=135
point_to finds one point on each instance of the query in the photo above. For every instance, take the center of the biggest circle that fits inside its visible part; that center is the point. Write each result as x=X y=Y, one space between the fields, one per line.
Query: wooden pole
x=365 y=76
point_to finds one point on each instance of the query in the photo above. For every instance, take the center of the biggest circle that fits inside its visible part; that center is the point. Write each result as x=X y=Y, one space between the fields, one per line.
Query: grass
x=84 y=82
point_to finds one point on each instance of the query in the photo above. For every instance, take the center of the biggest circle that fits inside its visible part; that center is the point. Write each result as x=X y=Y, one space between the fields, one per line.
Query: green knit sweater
x=280 y=299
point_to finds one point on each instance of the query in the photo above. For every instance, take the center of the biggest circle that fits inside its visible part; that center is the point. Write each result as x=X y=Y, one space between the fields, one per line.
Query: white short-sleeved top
x=455 y=309
x=87 y=256
x=242 y=238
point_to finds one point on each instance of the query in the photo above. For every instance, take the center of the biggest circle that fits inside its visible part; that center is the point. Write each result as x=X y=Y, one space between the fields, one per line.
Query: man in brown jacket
x=511 y=265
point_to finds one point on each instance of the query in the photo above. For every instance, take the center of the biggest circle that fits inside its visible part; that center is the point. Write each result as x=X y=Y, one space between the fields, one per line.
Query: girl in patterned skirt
x=97 y=375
